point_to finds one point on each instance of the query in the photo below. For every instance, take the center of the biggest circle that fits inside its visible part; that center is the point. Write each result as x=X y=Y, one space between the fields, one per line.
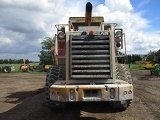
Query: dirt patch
x=22 y=98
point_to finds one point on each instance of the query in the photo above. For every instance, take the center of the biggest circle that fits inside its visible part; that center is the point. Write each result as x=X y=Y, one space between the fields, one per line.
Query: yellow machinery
x=148 y=65
x=151 y=64
x=86 y=50
x=47 y=67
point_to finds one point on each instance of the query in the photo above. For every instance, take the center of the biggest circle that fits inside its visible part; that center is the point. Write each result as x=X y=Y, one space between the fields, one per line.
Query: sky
x=25 y=23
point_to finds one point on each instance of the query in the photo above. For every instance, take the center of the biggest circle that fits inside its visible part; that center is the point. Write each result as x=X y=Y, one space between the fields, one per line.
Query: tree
x=10 y=61
x=6 y=61
x=1 y=61
x=157 y=53
x=133 y=58
x=150 y=56
x=45 y=55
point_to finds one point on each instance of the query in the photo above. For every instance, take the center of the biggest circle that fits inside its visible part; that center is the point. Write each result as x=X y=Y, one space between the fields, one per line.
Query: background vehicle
x=151 y=64
x=148 y=65
x=6 y=69
x=40 y=67
x=25 y=67
x=88 y=69
x=47 y=67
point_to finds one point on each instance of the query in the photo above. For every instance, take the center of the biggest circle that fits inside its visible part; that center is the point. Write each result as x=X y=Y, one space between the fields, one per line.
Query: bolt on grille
x=90 y=57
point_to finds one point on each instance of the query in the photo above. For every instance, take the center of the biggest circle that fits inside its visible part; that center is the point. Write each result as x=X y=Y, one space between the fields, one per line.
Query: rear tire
x=123 y=73
x=53 y=74
x=118 y=104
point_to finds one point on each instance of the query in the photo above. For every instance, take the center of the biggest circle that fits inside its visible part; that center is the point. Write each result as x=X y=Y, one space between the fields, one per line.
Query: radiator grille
x=90 y=57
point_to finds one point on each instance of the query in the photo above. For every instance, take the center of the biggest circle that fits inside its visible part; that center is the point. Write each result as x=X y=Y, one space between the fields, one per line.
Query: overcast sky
x=25 y=23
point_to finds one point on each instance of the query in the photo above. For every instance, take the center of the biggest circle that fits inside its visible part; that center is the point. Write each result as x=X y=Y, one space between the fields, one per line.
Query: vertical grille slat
x=90 y=57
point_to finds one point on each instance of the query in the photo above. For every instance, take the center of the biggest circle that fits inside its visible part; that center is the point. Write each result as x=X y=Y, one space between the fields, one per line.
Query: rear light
x=118 y=34
x=61 y=35
x=118 y=44
x=112 y=93
x=72 y=94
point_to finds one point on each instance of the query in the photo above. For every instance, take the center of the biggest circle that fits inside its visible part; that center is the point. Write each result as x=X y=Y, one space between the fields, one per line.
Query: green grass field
x=135 y=67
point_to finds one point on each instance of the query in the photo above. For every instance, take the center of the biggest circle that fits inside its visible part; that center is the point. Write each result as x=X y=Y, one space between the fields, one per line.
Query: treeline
x=129 y=59
x=133 y=58
x=14 y=61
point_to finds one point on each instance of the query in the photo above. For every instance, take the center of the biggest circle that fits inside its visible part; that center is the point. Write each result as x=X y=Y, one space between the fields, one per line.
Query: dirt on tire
x=22 y=97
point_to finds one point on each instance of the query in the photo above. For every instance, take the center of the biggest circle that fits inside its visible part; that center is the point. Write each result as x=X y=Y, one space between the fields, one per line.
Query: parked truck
x=88 y=70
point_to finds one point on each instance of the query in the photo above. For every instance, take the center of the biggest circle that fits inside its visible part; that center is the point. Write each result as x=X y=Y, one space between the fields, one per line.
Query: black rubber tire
x=53 y=74
x=123 y=73
x=117 y=104
x=6 y=69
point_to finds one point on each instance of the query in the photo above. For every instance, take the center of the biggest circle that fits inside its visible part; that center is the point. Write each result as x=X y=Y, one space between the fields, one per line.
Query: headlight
x=61 y=35
x=118 y=34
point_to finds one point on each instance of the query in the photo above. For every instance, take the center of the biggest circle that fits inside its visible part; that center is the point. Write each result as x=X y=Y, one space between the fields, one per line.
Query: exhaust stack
x=88 y=14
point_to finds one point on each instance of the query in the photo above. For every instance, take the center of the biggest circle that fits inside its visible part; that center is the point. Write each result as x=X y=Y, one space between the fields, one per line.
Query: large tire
x=6 y=69
x=123 y=73
x=53 y=74
x=118 y=104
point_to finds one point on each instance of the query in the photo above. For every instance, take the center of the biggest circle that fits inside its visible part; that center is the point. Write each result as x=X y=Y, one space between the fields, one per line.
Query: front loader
x=88 y=70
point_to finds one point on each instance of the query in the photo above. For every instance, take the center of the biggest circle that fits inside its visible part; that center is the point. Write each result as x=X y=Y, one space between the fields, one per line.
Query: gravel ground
x=22 y=98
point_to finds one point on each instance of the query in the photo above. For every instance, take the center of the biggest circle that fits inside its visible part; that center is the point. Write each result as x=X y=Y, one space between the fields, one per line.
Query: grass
x=135 y=66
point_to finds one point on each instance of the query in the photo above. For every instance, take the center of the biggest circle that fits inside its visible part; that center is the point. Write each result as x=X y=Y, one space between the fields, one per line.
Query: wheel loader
x=88 y=70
